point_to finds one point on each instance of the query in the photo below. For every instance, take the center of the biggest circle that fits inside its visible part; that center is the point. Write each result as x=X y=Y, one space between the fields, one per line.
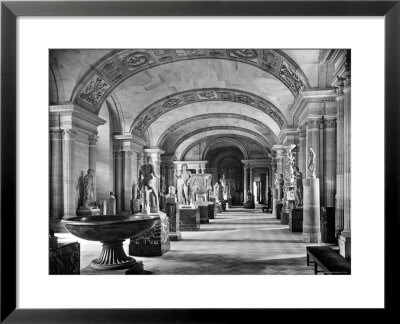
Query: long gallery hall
x=200 y=161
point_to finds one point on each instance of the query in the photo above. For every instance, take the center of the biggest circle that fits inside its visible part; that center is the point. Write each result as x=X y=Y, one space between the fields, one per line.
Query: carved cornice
x=111 y=70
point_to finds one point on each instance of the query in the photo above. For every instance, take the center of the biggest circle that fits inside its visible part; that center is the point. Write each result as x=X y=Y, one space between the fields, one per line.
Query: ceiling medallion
x=245 y=53
x=136 y=59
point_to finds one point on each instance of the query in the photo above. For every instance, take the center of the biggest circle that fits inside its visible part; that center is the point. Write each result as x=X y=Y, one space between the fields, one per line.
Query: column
x=339 y=212
x=92 y=159
x=69 y=185
x=302 y=157
x=329 y=178
x=251 y=181
x=266 y=187
x=345 y=235
x=245 y=186
x=119 y=190
x=127 y=181
x=56 y=175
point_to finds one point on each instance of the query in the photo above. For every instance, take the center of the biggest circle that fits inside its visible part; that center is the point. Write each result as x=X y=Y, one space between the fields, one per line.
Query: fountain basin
x=111 y=230
x=109 y=227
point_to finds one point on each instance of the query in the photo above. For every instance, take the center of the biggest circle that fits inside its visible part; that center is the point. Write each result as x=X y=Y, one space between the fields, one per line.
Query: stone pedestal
x=218 y=208
x=154 y=242
x=285 y=215
x=344 y=243
x=211 y=210
x=296 y=221
x=112 y=206
x=328 y=225
x=311 y=211
x=136 y=269
x=65 y=258
x=88 y=211
x=173 y=217
x=135 y=206
x=223 y=204
x=189 y=219
x=230 y=202
x=279 y=210
x=203 y=209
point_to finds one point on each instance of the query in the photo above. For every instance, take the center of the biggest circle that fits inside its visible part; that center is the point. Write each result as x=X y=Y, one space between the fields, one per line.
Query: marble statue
x=281 y=186
x=145 y=181
x=88 y=183
x=311 y=163
x=216 y=191
x=225 y=186
x=183 y=178
x=276 y=180
x=298 y=180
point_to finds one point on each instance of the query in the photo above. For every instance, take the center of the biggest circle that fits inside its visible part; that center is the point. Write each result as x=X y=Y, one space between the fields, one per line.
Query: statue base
x=88 y=211
x=296 y=221
x=154 y=242
x=203 y=209
x=311 y=211
x=211 y=210
x=173 y=217
x=64 y=259
x=189 y=219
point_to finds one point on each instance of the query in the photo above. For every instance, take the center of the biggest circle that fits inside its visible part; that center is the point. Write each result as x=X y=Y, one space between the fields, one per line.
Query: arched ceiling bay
x=108 y=72
x=198 y=135
x=169 y=139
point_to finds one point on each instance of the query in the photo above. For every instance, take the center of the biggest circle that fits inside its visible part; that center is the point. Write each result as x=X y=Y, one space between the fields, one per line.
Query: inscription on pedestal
x=154 y=242
x=189 y=219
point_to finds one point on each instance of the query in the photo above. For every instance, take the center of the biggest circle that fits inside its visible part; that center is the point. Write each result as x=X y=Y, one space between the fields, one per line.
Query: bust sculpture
x=311 y=163
x=171 y=194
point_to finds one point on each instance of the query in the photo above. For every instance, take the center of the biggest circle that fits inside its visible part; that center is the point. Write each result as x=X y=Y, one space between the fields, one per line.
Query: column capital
x=329 y=123
x=69 y=134
x=93 y=139
x=302 y=132
x=56 y=133
x=313 y=123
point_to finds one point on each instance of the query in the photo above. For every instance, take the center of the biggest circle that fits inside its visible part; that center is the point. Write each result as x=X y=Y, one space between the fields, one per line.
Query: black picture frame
x=10 y=10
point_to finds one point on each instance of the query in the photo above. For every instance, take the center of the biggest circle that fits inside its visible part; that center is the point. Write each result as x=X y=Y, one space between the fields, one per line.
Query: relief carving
x=94 y=90
x=291 y=77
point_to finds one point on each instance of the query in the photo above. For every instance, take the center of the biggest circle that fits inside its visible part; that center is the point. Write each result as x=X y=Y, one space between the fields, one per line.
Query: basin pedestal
x=113 y=257
x=154 y=242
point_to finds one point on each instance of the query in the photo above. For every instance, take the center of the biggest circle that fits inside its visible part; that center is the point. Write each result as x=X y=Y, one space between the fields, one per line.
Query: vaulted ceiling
x=176 y=98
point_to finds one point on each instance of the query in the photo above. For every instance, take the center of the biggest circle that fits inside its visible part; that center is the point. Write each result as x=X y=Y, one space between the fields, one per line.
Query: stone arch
x=181 y=156
x=184 y=122
x=232 y=141
x=116 y=114
x=56 y=96
x=177 y=100
x=117 y=66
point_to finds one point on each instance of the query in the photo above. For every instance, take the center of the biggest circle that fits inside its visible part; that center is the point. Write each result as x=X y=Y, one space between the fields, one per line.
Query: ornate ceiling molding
x=182 y=123
x=166 y=104
x=111 y=70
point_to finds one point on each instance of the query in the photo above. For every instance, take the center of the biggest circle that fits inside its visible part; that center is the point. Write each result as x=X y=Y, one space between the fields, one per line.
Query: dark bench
x=329 y=260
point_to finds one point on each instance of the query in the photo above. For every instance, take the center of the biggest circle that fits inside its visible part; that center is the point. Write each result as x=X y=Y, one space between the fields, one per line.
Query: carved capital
x=313 y=124
x=93 y=139
x=330 y=123
x=69 y=134
x=56 y=134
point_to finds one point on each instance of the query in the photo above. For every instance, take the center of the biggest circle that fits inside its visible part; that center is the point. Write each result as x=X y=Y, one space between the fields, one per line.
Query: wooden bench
x=329 y=260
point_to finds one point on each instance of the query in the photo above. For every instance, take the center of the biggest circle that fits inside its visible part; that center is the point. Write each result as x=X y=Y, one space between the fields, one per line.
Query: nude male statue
x=311 y=163
x=145 y=181
x=183 y=178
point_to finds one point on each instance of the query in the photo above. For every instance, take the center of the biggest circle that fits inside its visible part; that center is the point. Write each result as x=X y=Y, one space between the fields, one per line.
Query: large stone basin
x=111 y=230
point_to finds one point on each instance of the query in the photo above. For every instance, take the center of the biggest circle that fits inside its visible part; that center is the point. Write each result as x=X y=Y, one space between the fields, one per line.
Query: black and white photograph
x=200 y=161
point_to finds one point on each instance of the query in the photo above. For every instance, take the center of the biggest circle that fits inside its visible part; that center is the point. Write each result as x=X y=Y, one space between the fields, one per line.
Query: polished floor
x=238 y=241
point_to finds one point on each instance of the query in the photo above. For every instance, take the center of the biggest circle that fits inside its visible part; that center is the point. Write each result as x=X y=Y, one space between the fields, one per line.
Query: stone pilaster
x=119 y=190
x=56 y=174
x=92 y=159
x=345 y=237
x=329 y=158
x=70 y=196
x=245 y=184
x=302 y=156
x=339 y=211
x=251 y=181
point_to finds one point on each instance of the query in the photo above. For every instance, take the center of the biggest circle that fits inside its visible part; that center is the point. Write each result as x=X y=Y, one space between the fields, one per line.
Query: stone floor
x=237 y=241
